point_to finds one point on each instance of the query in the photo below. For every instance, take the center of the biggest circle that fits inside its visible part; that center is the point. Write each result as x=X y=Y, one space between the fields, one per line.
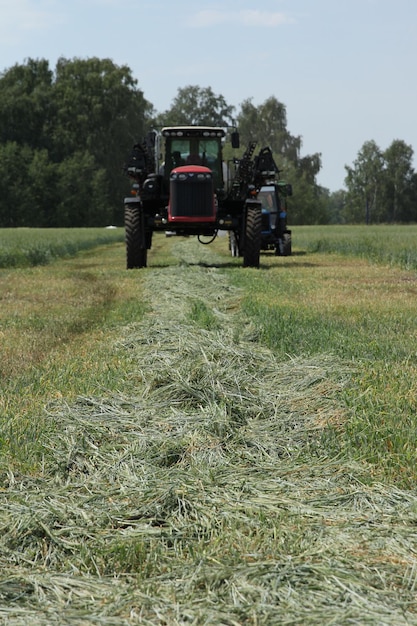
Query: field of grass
x=365 y=314
x=28 y=247
x=389 y=244
x=201 y=443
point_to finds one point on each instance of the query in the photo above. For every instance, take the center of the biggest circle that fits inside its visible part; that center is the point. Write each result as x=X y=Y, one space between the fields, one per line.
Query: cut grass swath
x=207 y=490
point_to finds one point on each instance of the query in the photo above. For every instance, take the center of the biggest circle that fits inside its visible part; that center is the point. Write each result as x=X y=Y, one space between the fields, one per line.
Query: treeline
x=381 y=187
x=65 y=133
x=63 y=138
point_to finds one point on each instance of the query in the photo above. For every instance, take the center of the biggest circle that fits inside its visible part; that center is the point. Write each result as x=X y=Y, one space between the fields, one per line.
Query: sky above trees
x=344 y=69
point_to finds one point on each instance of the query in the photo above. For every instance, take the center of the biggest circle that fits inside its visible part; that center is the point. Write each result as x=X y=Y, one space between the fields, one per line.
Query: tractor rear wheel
x=253 y=236
x=283 y=246
x=136 y=250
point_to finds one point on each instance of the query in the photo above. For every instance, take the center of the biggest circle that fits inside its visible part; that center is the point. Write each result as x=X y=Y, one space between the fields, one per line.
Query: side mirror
x=235 y=139
x=289 y=190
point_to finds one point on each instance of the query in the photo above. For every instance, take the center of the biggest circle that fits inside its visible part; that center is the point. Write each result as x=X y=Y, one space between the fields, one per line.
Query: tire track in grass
x=204 y=492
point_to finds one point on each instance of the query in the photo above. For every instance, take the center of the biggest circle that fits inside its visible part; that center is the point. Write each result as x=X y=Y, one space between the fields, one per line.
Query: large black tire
x=253 y=236
x=136 y=250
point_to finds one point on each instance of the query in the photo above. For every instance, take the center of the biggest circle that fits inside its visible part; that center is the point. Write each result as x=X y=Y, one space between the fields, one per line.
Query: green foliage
x=101 y=102
x=65 y=134
x=15 y=201
x=27 y=106
x=199 y=106
x=399 y=180
x=83 y=193
x=308 y=204
x=381 y=185
x=335 y=206
x=267 y=125
x=63 y=141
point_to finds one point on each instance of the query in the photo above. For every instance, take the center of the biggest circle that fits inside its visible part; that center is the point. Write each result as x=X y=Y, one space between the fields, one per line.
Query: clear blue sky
x=345 y=69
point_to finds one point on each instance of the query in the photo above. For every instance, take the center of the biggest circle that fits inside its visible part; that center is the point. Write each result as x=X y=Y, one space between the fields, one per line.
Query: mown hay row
x=206 y=491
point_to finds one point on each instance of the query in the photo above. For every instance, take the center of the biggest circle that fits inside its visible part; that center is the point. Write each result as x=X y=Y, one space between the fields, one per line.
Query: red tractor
x=193 y=191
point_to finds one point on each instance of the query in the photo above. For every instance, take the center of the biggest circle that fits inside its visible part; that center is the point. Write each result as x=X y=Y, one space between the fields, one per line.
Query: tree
x=398 y=180
x=199 y=106
x=99 y=108
x=26 y=107
x=41 y=183
x=267 y=125
x=382 y=184
x=83 y=198
x=364 y=182
x=15 y=202
x=90 y=108
x=336 y=206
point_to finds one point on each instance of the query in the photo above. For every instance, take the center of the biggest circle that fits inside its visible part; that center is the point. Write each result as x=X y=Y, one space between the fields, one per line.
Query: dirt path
x=203 y=493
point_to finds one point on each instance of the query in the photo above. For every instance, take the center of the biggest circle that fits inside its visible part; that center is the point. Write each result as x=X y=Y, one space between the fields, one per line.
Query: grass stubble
x=205 y=478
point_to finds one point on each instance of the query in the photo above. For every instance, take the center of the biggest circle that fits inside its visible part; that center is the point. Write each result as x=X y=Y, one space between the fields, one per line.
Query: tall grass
x=388 y=244
x=28 y=247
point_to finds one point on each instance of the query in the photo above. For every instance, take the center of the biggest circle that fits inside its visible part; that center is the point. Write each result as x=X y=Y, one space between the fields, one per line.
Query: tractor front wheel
x=253 y=236
x=136 y=249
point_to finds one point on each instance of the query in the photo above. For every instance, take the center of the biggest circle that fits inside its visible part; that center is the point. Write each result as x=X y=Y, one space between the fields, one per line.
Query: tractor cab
x=194 y=146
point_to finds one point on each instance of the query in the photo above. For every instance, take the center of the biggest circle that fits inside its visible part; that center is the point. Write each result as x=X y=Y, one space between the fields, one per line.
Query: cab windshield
x=194 y=151
x=267 y=198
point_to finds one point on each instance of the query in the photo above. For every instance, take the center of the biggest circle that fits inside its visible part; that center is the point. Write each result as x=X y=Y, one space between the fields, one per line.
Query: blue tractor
x=275 y=233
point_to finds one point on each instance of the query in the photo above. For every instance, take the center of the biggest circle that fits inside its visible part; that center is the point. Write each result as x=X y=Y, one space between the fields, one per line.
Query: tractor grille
x=191 y=195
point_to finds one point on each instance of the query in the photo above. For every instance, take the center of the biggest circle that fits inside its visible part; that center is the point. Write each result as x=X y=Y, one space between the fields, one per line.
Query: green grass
x=28 y=247
x=201 y=443
x=54 y=322
x=203 y=315
x=344 y=304
x=387 y=244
